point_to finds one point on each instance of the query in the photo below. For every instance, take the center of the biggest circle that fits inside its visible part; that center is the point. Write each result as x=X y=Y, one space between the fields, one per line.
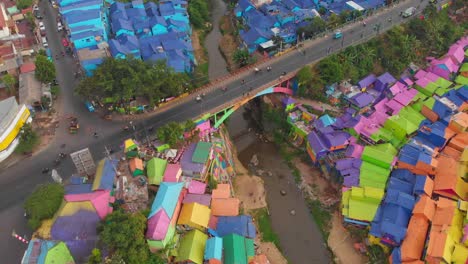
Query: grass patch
x=264 y=224
x=321 y=216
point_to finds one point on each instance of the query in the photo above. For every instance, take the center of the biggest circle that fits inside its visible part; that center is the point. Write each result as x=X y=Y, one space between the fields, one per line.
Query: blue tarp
x=108 y=175
x=214 y=248
x=78 y=188
x=241 y=225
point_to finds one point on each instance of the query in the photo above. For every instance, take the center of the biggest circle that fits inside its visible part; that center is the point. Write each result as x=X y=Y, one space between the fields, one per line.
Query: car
x=37 y=14
x=41 y=26
x=59 y=26
x=44 y=42
x=35 y=7
x=337 y=35
x=409 y=12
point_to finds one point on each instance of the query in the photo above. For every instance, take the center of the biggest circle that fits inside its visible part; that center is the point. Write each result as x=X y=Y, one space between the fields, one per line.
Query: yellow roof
x=460 y=254
x=129 y=143
x=195 y=215
x=70 y=208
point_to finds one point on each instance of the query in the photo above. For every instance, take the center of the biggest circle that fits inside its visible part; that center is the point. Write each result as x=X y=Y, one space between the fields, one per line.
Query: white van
x=409 y=12
x=44 y=42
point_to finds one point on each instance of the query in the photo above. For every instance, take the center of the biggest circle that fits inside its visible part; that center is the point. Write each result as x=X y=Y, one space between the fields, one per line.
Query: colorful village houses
x=47 y=252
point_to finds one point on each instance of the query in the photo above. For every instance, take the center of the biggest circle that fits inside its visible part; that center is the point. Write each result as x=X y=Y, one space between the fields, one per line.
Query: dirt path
x=341 y=243
x=319 y=106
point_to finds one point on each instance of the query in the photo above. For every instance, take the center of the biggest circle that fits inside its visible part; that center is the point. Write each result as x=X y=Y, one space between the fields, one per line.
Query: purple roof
x=362 y=99
x=336 y=139
x=370 y=79
x=288 y=100
x=78 y=188
x=350 y=181
x=186 y=160
x=316 y=142
x=204 y=199
x=78 y=231
x=387 y=78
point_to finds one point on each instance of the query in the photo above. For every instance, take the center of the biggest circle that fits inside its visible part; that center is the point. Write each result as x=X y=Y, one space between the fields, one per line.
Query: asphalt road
x=19 y=180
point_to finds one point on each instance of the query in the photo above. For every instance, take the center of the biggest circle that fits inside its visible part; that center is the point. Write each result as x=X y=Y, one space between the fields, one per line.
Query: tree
x=122 y=80
x=10 y=83
x=171 y=133
x=96 y=257
x=333 y=20
x=199 y=13
x=43 y=203
x=241 y=57
x=304 y=79
x=316 y=26
x=28 y=139
x=45 y=69
x=330 y=69
x=124 y=234
x=23 y=4
x=31 y=21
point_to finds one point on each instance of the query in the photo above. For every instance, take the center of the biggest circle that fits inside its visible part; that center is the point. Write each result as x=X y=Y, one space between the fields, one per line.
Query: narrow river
x=300 y=239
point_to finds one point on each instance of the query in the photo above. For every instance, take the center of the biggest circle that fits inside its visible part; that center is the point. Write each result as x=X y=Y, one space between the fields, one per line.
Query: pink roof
x=457 y=53
x=395 y=106
x=380 y=106
x=204 y=126
x=378 y=117
x=357 y=151
x=405 y=97
x=197 y=187
x=420 y=74
x=432 y=76
x=100 y=200
x=398 y=87
x=172 y=173
x=423 y=82
x=158 y=225
x=408 y=81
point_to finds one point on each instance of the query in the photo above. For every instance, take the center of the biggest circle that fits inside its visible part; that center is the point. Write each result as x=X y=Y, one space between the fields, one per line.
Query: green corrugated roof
x=429 y=102
x=443 y=83
x=59 y=254
x=381 y=155
x=464 y=67
x=192 y=247
x=234 y=249
x=362 y=203
x=249 y=247
x=419 y=96
x=461 y=80
x=202 y=152
x=155 y=170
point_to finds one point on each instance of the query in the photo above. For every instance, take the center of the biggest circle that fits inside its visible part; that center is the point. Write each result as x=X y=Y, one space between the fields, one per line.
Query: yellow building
x=194 y=215
x=12 y=119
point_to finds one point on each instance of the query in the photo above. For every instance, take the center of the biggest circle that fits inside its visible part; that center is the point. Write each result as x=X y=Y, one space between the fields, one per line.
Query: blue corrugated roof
x=462 y=92
x=158 y=20
x=441 y=109
x=79 y=5
x=86 y=34
x=78 y=188
x=166 y=9
x=400 y=185
x=453 y=97
x=167 y=198
x=135 y=12
x=419 y=185
x=214 y=248
x=118 y=24
x=108 y=175
x=76 y=16
x=241 y=225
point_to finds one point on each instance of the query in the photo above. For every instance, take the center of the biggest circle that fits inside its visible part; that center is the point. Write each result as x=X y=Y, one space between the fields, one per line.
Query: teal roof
x=214 y=248
x=167 y=197
x=327 y=120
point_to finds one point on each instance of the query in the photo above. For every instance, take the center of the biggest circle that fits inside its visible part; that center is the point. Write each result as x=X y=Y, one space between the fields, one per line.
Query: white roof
x=355 y=6
x=8 y=110
x=267 y=44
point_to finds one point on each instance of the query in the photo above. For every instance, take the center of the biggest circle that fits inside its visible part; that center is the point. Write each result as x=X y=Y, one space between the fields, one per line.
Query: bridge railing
x=248 y=96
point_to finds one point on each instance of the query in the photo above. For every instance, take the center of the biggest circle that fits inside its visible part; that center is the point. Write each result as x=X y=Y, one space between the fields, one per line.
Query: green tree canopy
x=331 y=69
x=124 y=234
x=241 y=57
x=43 y=203
x=10 y=83
x=316 y=26
x=123 y=80
x=45 y=69
x=199 y=13
x=171 y=133
x=96 y=257
x=28 y=139
x=23 y=4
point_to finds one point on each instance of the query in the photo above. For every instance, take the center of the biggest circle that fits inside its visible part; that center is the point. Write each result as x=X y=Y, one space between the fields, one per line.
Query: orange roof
x=259 y=259
x=445 y=179
x=413 y=262
x=461 y=120
x=451 y=152
x=444 y=212
x=214 y=261
x=135 y=163
x=459 y=141
x=436 y=245
x=225 y=207
x=463 y=107
x=221 y=191
x=425 y=207
x=413 y=245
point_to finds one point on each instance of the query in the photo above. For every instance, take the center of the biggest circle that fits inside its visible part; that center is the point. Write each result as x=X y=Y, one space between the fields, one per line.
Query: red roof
x=27 y=10
x=6 y=51
x=2 y=19
x=27 y=67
